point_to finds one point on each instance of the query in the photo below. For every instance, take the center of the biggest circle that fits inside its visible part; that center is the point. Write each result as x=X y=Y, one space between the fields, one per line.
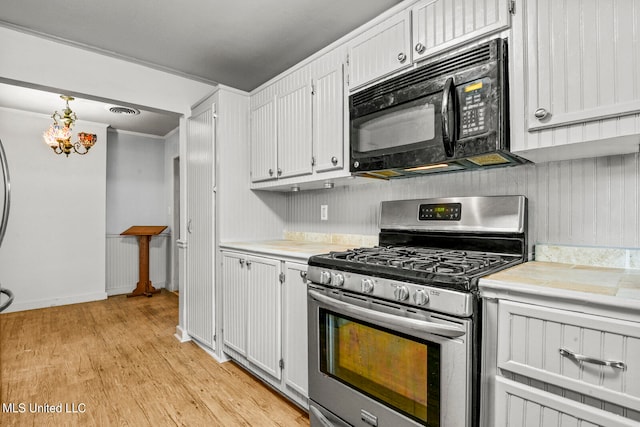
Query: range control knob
x=325 y=277
x=337 y=279
x=401 y=293
x=420 y=297
x=367 y=286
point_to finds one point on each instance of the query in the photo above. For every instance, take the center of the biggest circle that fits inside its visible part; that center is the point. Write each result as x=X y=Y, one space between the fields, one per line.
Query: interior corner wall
x=54 y=248
x=136 y=187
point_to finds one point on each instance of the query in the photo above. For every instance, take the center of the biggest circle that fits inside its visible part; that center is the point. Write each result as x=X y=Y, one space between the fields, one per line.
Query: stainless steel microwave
x=449 y=114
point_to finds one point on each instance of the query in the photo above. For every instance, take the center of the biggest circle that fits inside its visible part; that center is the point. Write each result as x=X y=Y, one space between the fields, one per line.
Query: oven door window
x=406 y=127
x=399 y=371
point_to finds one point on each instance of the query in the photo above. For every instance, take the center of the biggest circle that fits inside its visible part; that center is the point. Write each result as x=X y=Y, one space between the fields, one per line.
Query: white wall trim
x=54 y=302
x=182 y=335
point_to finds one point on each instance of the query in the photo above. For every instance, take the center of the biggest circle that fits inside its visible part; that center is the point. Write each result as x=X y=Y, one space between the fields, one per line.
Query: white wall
x=136 y=186
x=54 y=249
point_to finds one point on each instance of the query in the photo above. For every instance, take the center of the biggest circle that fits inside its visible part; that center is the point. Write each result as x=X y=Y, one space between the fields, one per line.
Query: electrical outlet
x=324 y=212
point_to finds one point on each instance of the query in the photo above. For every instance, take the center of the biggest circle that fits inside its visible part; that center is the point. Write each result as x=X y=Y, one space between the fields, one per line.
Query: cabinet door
x=263 y=141
x=199 y=290
x=234 y=290
x=264 y=334
x=380 y=51
x=442 y=24
x=295 y=328
x=581 y=61
x=328 y=120
x=519 y=405
x=294 y=131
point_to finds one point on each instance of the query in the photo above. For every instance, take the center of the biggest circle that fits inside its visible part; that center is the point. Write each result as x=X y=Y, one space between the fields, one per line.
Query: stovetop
x=454 y=269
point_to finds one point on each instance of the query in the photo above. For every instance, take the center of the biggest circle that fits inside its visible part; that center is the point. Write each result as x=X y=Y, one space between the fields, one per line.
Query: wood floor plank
x=117 y=363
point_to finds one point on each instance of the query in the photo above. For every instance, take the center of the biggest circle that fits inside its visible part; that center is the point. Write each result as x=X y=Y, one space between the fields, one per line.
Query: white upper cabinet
x=382 y=50
x=582 y=61
x=328 y=115
x=281 y=129
x=575 y=78
x=294 y=129
x=264 y=161
x=298 y=126
x=438 y=25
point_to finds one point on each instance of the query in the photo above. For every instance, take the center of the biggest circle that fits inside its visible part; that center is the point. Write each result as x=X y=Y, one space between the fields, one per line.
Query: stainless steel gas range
x=394 y=330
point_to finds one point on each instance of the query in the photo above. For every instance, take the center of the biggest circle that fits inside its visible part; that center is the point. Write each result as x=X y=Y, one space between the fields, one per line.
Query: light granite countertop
x=295 y=249
x=558 y=283
x=301 y=245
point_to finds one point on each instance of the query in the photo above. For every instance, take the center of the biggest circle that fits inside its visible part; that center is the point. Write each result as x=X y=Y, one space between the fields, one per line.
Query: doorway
x=175 y=280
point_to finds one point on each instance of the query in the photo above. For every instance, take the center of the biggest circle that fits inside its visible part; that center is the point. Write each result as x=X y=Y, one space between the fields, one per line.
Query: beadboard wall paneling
x=591 y=202
x=237 y=218
x=123 y=263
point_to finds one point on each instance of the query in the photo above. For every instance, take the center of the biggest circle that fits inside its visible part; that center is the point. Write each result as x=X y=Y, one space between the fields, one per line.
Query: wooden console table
x=144 y=233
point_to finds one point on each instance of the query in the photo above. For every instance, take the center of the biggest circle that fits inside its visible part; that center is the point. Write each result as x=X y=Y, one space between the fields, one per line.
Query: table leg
x=144 y=286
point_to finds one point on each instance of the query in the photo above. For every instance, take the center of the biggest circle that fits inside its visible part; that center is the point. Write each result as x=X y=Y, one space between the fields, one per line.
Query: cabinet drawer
x=519 y=405
x=547 y=344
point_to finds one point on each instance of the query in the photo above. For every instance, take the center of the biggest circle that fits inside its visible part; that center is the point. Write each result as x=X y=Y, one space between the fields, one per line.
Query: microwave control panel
x=474 y=98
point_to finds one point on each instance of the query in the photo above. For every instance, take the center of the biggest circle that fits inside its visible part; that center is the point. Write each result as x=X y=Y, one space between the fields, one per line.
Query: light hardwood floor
x=118 y=362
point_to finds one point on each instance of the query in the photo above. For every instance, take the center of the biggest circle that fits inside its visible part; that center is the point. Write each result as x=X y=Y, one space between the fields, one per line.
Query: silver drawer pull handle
x=581 y=358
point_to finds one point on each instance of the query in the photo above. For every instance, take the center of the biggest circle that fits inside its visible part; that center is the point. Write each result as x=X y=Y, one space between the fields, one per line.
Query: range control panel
x=440 y=212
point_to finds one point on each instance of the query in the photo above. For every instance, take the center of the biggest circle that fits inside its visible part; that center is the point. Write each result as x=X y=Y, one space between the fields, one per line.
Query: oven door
x=375 y=363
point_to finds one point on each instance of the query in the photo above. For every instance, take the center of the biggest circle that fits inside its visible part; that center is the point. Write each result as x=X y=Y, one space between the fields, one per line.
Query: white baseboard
x=182 y=335
x=54 y=302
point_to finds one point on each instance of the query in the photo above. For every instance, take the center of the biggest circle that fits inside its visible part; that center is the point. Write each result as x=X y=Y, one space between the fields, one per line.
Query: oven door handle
x=416 y=327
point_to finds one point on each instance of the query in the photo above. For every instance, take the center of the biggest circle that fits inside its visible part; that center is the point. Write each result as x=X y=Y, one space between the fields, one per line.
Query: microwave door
x=406 y=134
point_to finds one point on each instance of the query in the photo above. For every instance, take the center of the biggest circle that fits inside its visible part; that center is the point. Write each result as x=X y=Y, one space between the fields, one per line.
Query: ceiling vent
x=127 y=111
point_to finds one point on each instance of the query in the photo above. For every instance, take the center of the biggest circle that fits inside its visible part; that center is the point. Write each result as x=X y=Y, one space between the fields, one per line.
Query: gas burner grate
x=421 y=259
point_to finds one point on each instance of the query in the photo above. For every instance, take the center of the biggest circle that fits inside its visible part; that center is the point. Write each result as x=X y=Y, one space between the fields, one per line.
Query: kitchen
x=573 y=200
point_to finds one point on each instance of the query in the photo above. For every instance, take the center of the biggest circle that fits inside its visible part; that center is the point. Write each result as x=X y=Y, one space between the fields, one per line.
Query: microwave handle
x=449 y=102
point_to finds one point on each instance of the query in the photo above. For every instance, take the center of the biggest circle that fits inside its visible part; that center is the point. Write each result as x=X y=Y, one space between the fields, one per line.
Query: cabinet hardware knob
x=334 y=160
x=241 y=261
x=420 y=48
x=541 y=113
x=279 y=171
x=248 y=263
x=303 y=274
x=270 y=172
x=402 y=57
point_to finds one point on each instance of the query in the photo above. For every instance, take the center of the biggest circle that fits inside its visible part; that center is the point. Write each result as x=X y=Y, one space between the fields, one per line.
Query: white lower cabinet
x=295 y=329
x=519 y=405
x=550 y=366
x=265 y=320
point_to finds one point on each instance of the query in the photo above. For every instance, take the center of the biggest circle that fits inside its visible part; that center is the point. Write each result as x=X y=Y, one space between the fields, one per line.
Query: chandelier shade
x=58 y=136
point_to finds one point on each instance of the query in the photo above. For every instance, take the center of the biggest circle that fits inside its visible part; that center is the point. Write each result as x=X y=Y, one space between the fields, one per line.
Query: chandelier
x=58 y=136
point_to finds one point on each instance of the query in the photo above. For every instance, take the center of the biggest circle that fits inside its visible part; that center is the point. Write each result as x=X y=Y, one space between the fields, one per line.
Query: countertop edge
x=584 y=302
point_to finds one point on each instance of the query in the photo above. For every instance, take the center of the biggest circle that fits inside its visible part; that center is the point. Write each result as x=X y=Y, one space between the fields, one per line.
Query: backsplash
x=594 y=257
x=586 y=202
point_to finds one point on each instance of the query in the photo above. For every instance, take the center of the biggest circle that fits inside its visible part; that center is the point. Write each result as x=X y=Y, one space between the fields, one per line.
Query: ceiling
x=241 y=44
